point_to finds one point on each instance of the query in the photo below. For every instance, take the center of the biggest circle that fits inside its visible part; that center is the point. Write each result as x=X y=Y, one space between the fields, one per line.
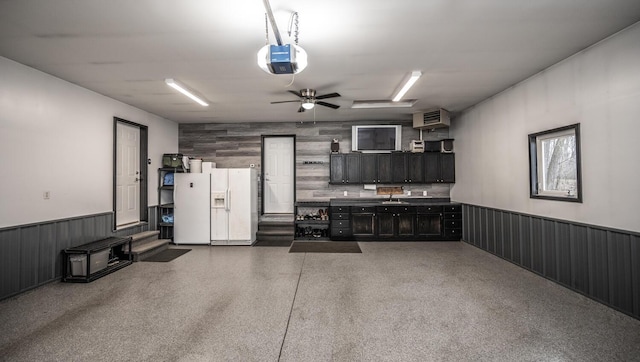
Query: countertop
x=384 y=201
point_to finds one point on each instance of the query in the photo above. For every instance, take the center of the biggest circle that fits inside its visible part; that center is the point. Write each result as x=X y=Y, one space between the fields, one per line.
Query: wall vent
x=433 y=118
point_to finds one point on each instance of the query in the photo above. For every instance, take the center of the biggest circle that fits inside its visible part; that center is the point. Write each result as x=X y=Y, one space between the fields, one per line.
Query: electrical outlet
x=408 y=193
x=424 y=193
x=46 y=195
x=345 y=193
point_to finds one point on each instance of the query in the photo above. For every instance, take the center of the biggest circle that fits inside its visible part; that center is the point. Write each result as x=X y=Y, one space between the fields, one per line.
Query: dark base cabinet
x=340 y=223
x=396 y=222
x=453 y=221
x=429 y=221
x=363 y=222
x=441 y=222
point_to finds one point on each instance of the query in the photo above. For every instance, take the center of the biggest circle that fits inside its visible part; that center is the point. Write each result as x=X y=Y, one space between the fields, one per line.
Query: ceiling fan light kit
x=308 y=99
x=184 y=90
x=415 y=75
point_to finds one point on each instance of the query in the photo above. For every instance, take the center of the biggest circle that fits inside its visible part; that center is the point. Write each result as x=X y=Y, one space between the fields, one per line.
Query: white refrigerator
x=191 y=208
x=234 y=206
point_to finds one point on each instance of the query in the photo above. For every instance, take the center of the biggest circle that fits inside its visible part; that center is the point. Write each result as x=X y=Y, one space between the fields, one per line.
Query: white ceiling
x=468 y=50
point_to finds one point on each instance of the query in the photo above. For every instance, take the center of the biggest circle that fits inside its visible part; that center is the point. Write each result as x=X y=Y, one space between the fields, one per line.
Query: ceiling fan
x=308 y=99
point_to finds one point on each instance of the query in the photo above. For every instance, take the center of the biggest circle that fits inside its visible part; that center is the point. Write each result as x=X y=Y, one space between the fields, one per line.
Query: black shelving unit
x=310 y=222
x=165 y=202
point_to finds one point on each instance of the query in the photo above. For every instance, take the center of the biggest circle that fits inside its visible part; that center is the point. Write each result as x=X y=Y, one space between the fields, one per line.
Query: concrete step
x=269 y=236
x=142 y=238
x=145 y=236
x=274 y=231
x=277 y=217
x=276 y=225
x=145 y=250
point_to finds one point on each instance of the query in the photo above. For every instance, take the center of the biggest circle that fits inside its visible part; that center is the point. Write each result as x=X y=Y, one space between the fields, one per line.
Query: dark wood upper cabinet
x=396 y=167
x=399 y=167
x=415 y=167
x=385 y=171
x=344 y=168
x=352 y=168
x=407 y=167
x=439 y=167
x=448 y=167
x=336 y=168
x=369 y=168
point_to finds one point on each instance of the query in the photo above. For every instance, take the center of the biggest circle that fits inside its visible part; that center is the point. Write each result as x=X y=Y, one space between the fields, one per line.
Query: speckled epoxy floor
x=393 y=302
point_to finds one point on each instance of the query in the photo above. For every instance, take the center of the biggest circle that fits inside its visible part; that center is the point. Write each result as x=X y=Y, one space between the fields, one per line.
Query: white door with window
x=278 y=168
x=127 y=174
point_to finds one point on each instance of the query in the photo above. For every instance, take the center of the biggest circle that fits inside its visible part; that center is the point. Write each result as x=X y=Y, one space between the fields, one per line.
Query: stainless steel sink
x=394 y=202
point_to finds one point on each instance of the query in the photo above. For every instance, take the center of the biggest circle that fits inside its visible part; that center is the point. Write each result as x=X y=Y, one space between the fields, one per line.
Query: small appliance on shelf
x=335 y=145
x=417 y=146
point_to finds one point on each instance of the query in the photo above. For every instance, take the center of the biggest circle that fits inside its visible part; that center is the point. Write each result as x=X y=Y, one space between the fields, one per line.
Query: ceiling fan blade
x=330 y=95
x=334 y=106
x=285 y=101
x=297 y=94
x=301 y=109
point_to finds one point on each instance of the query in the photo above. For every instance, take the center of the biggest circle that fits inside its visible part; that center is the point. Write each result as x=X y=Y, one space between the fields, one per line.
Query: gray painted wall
x=601 y=263
x=30 y=255
x=598 y=88
x=58 y=137
x=591 y=247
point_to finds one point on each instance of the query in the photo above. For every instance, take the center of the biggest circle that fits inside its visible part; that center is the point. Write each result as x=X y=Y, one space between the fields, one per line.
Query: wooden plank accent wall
x=31 y=255
x=232 y=145
x=600 y=263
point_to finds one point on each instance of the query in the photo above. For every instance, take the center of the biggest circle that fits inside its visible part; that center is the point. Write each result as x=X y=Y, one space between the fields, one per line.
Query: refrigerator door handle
x=226 y=199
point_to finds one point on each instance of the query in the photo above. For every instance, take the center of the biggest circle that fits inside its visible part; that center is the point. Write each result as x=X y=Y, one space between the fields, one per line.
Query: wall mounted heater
x=433 y=118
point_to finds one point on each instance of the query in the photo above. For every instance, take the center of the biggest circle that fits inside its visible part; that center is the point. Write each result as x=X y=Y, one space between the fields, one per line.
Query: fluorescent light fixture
x=414 y=77
x=182 y=89
x=383 y=104
x=308 y=105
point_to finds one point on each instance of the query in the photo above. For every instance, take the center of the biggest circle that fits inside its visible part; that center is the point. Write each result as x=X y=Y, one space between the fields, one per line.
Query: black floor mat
x=325 y=247
x=167 y=255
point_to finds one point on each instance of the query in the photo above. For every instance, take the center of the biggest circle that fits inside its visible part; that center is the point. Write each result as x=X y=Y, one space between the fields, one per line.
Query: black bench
x=88 y=262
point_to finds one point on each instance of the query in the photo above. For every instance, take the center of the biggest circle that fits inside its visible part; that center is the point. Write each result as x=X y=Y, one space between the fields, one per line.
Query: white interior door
x=278 y=171
x=127 y=174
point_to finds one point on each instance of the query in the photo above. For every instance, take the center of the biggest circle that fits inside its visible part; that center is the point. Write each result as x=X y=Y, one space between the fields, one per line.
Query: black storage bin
x=172 y=160
x=432 y=146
